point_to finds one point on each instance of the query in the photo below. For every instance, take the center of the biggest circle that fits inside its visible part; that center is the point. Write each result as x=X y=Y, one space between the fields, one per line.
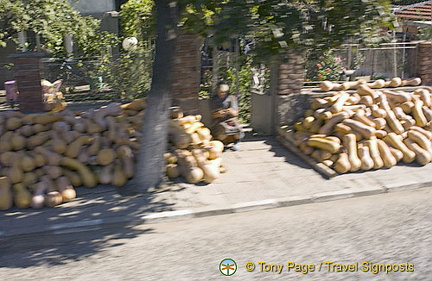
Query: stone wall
x=186 y=73
x=424 y=62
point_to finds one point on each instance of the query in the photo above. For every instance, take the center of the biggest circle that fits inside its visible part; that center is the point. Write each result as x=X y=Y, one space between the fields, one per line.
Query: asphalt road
x=338 y=240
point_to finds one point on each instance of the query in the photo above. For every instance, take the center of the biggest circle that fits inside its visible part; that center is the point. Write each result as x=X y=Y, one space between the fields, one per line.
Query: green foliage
x=137 y=19
x=130 y=75
x=425 y=33
x=51 y=20
x=277 y=25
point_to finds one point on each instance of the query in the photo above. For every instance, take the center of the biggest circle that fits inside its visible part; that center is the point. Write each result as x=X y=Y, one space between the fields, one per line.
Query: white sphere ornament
x=130 y=43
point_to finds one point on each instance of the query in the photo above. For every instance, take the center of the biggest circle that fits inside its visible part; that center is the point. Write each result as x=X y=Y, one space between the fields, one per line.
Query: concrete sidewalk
x=262 y=175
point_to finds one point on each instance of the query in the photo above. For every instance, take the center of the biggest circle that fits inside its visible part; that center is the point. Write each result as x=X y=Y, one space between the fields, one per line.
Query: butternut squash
x=367 y=161
x=21 y=196
x=426 y=133
x=86 y=175
x=342 y=165
x=418 y=114
x=328 y=126
x=420 y=139
x=388 y=159
x=377 y=84
x=349 y=142
x=51 y=157
x=427 y=113
x=395 y=82
x=13 y=123
x=194 y=175
x=119 y=177
x=396 y=142
x=39 y=193
x=37 y=140
x=425 y=96
x=136 y=104
x=316 y=125
x=324 y=144
x=407 y=107
x=327 y=86
x=423 y=156
x=391 y=119
x=53 y=198
x=172 y=171
x=377 y=112
x=125 y=154
x=47 y=118
x=73 y=177
x=365 y=131
x=364 y=90
x=75 y=147
x=105 y=156
x=380 y=134
x=26 y=130
x=6 y=196
x=339 y=103
x=366 y=100
x=352 y=84
x=397 y=154
x=360 y=116
x=411 y=82
x=319 y=103
x=27 y=163
x=374 y=153
x=397 y=97
x=53 y=172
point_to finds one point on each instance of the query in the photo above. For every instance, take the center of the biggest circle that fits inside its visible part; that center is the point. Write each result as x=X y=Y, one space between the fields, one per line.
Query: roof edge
x=412 y=6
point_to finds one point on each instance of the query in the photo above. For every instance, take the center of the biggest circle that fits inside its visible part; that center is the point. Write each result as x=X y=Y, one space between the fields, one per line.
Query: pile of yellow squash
x=364 y=126
x=44 y=156
x=192 y=153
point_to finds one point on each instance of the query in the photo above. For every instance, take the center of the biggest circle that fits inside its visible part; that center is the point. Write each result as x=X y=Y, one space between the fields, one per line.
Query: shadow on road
x=74 y=230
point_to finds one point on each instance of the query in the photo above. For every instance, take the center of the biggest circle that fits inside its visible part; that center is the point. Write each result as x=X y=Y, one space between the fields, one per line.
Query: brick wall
x=289 y=102
x=27 y=73
x=186 y=73
x=424 y=62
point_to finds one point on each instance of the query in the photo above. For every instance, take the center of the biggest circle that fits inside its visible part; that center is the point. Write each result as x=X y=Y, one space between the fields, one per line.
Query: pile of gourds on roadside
x=192 y=153
x=369 y=128
x=44 y=156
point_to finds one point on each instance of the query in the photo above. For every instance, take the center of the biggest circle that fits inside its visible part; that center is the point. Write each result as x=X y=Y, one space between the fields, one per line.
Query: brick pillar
x=290 y=77
x=27 y=72
x=424 y=62
x=186 y=73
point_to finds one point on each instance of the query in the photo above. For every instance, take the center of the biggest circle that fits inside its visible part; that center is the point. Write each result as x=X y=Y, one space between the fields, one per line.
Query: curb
x=98 y=224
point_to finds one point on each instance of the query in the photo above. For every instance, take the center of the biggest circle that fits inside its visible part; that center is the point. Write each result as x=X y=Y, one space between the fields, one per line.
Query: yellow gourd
x=64 y=186
x=105 y=156
x=423 y=156
x=396 y=142
x=6 y=196
x=374 y=153
x=342 y=165
x=350 y=145
x=367 y=161
x=22 y=197
x=88 y=178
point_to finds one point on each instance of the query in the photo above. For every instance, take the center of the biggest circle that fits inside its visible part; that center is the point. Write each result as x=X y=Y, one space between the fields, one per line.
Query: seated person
x=224 y=108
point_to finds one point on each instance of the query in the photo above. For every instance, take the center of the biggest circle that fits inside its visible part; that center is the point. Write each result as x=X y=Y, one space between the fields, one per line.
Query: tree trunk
x=150 y=166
